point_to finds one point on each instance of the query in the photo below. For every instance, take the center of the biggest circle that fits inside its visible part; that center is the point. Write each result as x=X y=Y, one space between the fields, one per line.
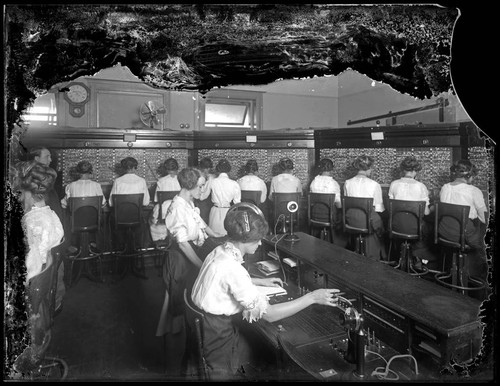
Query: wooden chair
x=128 y=219
x=321 y=214
x=85 y=219
x=280 y=212
x=457 y=277
x=194 y=321
x=363 y=206
x=251 y=196
x=405 y=224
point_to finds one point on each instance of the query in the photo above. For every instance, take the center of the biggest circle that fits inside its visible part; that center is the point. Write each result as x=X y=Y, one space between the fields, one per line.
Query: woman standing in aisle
x=224 y=192
x=192 y=240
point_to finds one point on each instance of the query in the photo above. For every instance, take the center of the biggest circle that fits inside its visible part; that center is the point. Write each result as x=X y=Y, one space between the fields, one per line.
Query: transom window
x=233 y=109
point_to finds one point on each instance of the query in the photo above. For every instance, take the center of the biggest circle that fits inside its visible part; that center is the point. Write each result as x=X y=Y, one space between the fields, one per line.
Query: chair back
x=128 y=209
x=280 y=202
x=42 y=295
x=195 y=319
x=357 y=214
x=406 y=219
x=456 y=217
x=85 y=213
x=164 y=195
x=251 y=196
x=320 y=209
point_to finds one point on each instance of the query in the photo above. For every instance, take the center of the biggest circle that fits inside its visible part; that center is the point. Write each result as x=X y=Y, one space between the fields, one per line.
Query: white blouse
x=465 y=194
x=167 y=183
x=130 y=184
x=252 y=182
x=43 y=231
x=183 y=221
x=284 y=183
x=409 y=189
x=362 y=186
x=326 y=184
x=224 y=286
x=82 y=188
x=225 y=190
x=207 y=188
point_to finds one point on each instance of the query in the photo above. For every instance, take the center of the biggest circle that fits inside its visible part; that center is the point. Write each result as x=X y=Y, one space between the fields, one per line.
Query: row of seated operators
x=219 y=192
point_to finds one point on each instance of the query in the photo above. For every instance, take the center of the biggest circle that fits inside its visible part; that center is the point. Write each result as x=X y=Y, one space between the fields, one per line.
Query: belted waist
x=217 y=206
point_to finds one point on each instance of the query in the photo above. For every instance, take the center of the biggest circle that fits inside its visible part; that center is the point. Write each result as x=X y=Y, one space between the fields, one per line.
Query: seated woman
x=409 y=189
x=362 y=185
x=128 y=183
x=224 y=289
x=205 y=203
x=461 y=192
x=42 y=227
x=192 y=241
x=82 y=185
x=285 y=181
x=325 y=183
x=225 y=192
x=250 y=181
x=168 y=180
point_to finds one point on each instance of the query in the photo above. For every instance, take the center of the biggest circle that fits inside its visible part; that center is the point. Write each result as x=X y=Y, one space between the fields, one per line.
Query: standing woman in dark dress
x=192 y=241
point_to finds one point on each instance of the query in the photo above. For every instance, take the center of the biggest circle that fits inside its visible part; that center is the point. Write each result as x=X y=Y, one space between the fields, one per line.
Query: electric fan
x=149 y=112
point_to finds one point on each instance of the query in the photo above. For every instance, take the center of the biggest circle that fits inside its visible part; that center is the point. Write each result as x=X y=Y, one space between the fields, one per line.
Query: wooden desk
x=407 y=314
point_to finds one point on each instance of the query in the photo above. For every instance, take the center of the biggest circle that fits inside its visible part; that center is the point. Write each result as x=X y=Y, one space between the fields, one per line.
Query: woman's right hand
x=325 y=296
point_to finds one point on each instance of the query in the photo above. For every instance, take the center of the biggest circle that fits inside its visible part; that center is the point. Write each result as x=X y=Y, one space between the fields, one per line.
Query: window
x=43 y=112
x=232 y=109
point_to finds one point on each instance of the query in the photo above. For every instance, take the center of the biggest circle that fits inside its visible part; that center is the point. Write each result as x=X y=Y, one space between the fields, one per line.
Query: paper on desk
x=271 y=291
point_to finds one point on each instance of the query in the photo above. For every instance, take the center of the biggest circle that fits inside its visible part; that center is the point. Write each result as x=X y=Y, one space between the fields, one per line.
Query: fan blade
x=150 y=106
x=161 y=110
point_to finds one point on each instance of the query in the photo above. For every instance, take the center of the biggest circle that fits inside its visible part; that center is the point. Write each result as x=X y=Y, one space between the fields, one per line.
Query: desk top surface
x=419 y=299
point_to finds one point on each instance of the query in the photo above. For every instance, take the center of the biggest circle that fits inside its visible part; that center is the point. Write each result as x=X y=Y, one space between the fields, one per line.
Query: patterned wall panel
x=104 y=161
x=266 y=159
x=435 y=164
x=483 y=158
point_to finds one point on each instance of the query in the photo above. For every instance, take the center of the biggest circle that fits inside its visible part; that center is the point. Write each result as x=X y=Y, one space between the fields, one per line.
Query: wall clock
x=77 y=96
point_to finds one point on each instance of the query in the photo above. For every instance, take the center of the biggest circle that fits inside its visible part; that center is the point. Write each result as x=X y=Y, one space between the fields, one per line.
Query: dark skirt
x=450 y=230
x=220 y=346
x=375 y=247
x=179 y=274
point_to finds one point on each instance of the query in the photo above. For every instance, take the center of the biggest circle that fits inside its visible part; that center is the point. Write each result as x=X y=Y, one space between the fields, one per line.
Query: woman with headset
x=224 y=289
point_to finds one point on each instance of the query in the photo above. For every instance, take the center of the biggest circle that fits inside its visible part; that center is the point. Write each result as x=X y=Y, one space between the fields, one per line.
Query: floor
x=106 y=332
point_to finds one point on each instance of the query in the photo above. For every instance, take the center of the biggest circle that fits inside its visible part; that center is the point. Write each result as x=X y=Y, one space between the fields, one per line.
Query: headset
x=246 y=205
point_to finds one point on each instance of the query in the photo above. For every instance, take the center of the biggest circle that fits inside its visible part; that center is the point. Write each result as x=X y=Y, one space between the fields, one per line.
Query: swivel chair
x=85 y=219
x=33 y=363
x=321 y=213
x=280 y=201
x=405 y=225
x=251 y=196
x=457 y=276
x=194 y=338
x=128 y=219
x=357 y=231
